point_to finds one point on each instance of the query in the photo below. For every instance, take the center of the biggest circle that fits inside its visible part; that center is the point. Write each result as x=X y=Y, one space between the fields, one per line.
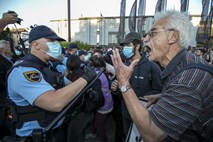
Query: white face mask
x=54 y=49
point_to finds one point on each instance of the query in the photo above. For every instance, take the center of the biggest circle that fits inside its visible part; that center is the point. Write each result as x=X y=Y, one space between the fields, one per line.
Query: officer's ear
x=35 y=44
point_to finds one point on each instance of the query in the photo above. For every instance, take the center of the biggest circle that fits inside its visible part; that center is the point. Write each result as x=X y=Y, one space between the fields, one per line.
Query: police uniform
x=25 y=85
x=60 y=66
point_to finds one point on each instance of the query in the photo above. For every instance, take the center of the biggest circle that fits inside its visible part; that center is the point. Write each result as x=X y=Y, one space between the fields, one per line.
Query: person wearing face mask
x=18 y=53
x=86 y=57
x=145 y=79
x=83 y=55
x=39 y=92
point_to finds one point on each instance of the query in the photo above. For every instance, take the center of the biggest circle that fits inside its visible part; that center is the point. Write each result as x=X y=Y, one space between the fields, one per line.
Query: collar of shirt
x=173 y=64
x=142 y=60
x=33 y=58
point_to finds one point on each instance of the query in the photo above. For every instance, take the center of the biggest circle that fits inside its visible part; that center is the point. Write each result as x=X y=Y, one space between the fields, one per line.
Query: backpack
x=93 y=99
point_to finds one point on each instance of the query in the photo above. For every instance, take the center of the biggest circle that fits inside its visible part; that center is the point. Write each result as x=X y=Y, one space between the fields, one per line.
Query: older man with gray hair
x=5 y=49
x=184 y=110
x=5 y=65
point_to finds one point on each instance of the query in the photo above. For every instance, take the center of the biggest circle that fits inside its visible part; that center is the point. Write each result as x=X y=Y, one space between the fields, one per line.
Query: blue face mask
x=18 y=53
x=128 y=51
x=54 y=49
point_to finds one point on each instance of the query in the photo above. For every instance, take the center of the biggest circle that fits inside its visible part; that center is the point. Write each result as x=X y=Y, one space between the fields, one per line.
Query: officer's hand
x=89 y=74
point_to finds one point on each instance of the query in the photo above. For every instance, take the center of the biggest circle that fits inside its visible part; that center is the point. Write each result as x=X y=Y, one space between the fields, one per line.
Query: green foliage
x=64 y=44
x=81 y=45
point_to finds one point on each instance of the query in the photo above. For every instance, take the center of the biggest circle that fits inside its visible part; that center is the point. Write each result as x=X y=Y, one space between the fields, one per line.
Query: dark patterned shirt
x=186 y=102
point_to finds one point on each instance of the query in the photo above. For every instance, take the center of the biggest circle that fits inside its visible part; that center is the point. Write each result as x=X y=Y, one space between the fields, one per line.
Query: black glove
x=89 y=74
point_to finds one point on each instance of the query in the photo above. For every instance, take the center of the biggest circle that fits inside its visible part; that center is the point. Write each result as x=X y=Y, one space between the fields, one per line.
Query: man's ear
x=173 y=37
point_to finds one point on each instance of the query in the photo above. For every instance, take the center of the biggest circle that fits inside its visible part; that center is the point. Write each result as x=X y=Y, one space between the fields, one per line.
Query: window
x=112 y=37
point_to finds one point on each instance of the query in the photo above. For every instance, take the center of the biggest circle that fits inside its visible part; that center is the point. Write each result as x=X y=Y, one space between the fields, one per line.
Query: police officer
x=37 y=92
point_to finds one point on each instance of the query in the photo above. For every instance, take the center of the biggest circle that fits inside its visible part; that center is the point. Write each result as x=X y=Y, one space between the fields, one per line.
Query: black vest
x=23 y=114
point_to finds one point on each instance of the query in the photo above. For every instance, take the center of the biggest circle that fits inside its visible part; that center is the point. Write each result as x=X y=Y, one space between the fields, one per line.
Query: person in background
x=92 y=49
x=191 y=49
x=101 y=115
x=41 y=93
x=183 y=111
x=200 y=52
x=145 y=78
x=72 y=48
x=74 y=69
x=6 y=62
x=5 y=50
x=82 y=115
x=83 y=56
x=116 y=113
x=110 y=71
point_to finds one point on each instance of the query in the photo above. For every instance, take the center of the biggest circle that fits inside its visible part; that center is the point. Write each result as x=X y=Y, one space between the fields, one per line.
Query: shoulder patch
x=33 y=76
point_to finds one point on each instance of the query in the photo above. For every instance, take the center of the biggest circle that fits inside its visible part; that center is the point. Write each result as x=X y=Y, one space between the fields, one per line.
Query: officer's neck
x=43 y=58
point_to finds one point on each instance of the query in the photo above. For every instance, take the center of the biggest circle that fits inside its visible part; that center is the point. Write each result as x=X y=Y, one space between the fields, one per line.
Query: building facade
x=101 y=30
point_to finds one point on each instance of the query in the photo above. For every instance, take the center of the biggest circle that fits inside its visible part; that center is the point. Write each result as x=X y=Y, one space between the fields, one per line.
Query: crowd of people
x=36 y=88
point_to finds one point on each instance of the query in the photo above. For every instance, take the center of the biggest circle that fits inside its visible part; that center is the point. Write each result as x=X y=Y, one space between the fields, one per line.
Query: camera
x=107 y=57
x=19 y=19
x=108 y=53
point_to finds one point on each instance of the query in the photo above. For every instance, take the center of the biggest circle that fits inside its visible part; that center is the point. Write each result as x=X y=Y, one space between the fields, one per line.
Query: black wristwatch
x=124 y=88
